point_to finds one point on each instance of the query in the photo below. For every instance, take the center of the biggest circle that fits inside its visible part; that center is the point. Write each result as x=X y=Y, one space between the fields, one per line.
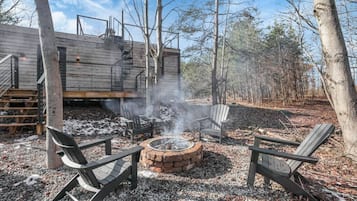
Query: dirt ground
x=222 y=174
x=334 y=174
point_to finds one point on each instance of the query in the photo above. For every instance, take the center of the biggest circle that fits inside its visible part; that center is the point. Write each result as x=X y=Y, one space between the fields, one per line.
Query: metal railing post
x=16 y=72
x=11 y=73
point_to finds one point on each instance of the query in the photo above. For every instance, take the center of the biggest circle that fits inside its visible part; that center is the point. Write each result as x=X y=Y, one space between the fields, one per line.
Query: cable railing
x=140 y=82
x=9 y=77
x=41 y=100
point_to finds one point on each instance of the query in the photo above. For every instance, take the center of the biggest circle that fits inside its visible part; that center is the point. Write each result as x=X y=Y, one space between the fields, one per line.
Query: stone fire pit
x=170 y=154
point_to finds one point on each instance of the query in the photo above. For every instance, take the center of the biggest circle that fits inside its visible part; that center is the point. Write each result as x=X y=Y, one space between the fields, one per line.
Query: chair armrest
x=214 y=122
x=103 y=161
x=106 y=141
x=94 y=143
x=128 y=121
x=284 y=155
x=225 y=121
x=202 y=119
x=281 y=141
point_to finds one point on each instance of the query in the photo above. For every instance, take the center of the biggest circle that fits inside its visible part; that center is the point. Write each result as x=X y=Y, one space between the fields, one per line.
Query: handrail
x=41 y=79
x=120 y=62
x=41 y=104
x=8 y=74
x=80 y=28
x=5 y=58
x=137 y=81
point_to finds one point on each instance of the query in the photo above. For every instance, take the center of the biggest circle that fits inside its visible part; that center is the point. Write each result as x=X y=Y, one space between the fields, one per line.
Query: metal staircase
x=117 y=34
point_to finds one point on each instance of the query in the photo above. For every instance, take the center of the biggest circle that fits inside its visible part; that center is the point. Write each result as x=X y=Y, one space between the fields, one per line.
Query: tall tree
x=54 y=97
x=148 y=73
x=6 y=15
x=214 y=55
x=158 y=51
x=154 y=52
x=338 y=79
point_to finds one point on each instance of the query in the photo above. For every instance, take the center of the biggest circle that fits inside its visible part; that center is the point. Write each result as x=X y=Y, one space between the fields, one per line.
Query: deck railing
x=140 y=82
x=9 y=76
x=41 y=100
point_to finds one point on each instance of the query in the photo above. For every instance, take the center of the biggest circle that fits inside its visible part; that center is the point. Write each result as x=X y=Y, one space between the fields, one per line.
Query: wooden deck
x=100 y=94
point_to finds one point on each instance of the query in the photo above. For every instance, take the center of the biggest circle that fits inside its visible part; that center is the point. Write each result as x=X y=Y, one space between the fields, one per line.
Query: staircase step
x=18 y=101
x=19 y=116
x=21 y=91
x=18 y=124
x=15 y=95
x=18 y=108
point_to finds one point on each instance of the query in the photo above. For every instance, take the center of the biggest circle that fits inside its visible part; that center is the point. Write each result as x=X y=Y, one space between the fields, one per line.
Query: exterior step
x=18 y=101
x=15 y=95
x=23 y=111
x=21 y=91
x=18 y=108
x=14 y=127
x=19 y=116
x=18 y=124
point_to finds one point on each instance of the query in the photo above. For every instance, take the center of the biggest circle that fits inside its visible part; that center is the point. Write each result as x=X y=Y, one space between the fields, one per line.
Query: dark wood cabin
x=91 y=68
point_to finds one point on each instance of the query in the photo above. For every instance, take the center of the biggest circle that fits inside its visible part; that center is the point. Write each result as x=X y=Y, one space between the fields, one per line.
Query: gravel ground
x=221 y=176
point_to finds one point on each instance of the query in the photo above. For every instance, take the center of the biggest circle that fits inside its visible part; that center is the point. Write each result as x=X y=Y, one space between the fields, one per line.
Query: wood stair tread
x=18 y=108
x=20 y=95
x=22 y=104
x=17 y=124
x=20 y=89
x=18 y=115
x=18 y=101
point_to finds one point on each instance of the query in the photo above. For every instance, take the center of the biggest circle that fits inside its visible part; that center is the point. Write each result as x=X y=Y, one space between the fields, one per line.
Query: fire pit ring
x=170 y=154
x=170 y=144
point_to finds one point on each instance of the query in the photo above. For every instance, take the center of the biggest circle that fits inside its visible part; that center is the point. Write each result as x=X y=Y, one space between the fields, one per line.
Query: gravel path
x=221 y=176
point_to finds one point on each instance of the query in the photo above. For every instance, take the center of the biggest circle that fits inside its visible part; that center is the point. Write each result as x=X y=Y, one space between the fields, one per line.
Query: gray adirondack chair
x=136 y=125
x=101 y=176
x=265 y=162
x=213 y=124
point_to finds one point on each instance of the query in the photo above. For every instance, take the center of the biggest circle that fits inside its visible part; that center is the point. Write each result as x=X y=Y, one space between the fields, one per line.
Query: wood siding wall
x=92 y=73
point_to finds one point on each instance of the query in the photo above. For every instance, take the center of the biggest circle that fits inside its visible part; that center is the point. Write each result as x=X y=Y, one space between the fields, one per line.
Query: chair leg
x=252 y=169
x=251 y=175
x=291 y=186
x=134 y=171
x=100 y=195
x=69 y=186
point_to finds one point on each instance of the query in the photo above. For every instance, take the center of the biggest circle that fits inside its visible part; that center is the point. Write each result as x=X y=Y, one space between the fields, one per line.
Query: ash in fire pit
x=170 y=154
x=171 y=144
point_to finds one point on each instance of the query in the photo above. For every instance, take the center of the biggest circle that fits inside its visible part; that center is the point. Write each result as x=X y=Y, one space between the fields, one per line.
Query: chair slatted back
x=316 y=137
x=129 y=114
x=72 y=151
x=218 y=113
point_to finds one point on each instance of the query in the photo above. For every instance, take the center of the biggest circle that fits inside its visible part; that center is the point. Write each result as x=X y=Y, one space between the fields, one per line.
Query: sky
x=64 y=13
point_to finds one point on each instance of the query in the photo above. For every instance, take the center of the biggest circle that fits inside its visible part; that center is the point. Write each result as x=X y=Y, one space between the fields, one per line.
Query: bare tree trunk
x=224 y=65
x=54 y=97
x=159 y=45
x=338 y=78
x=214 y=56
x=148 y=74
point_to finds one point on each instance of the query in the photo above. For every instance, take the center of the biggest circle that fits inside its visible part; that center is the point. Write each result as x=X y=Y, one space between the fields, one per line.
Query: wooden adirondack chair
x=264 y=161
x=135 y=124
x=217 y=117
x=101 y=176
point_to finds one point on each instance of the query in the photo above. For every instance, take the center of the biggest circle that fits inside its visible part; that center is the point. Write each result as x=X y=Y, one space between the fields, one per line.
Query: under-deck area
x=100 y=94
